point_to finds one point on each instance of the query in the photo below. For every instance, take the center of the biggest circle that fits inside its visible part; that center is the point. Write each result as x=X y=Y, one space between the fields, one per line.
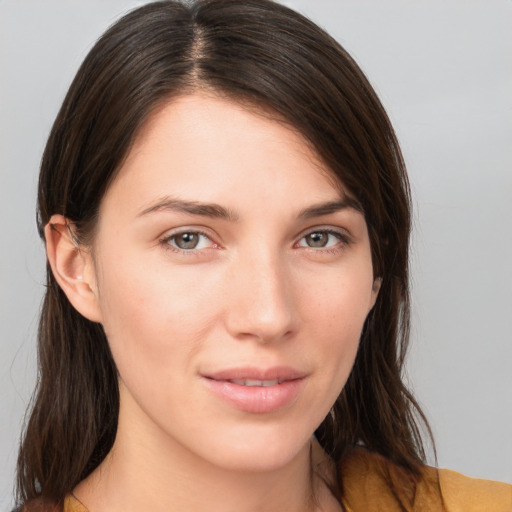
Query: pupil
x=317 y=239
x=187 y=240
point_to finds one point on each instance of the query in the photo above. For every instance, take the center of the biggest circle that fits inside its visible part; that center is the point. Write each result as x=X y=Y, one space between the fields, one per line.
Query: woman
x=226 y=215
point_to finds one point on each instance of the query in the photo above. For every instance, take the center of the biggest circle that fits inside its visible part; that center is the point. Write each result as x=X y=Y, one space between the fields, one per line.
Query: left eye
x=189 y=240
x=320 y=239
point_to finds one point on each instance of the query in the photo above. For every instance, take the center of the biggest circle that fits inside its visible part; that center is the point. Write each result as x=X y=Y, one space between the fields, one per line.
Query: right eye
x=187 y=241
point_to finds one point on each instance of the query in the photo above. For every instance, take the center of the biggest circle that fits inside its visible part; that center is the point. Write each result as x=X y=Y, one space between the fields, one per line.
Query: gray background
x=443 y=71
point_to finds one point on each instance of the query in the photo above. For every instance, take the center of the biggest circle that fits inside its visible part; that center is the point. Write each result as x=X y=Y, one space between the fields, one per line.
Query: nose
x=260 y=303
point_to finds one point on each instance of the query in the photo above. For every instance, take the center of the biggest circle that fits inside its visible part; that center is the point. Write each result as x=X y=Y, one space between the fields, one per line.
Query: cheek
x=333 y=315
x=154 y=321
x=340 y=301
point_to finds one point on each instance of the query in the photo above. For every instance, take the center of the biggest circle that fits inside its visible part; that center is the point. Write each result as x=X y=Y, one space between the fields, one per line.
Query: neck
x=144 y=471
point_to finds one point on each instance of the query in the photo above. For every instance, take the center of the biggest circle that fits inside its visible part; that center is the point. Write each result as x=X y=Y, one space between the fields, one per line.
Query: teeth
x=251 y=382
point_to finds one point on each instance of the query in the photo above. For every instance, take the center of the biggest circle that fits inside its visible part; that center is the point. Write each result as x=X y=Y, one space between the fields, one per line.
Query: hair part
x=258 y=53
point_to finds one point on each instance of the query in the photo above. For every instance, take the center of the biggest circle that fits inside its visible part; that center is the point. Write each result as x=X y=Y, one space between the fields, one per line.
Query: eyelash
x=166 y=242
x=343 y=238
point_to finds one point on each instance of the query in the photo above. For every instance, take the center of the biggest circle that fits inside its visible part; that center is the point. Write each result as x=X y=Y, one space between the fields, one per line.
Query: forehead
x=217 y=149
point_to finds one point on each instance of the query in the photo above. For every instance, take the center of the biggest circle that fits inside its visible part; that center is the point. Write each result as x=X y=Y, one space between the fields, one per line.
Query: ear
x=377 y=282
x=72 y=266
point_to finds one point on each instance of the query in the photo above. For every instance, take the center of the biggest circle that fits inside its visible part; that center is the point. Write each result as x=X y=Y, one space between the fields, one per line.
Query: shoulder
x=371 y=482
x=464 y=493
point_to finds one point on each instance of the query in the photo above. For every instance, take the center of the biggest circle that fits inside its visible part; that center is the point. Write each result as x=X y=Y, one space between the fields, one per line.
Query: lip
x=256 y=399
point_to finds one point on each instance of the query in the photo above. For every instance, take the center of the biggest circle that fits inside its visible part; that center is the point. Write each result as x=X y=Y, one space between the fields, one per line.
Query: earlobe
x=72 y=267
x=377 y=282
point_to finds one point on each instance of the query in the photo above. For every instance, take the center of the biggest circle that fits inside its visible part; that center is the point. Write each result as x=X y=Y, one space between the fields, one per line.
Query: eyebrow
x=191 y=207
x=220 y=212
x=318 y=210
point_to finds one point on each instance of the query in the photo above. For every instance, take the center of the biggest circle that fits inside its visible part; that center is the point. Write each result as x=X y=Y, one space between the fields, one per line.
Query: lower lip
x=256 y=399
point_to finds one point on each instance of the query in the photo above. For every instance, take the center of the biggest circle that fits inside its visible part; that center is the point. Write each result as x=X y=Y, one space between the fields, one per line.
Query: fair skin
x=264 y=288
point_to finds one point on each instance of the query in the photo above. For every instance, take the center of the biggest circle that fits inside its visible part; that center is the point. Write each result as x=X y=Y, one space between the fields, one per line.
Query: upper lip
x=281 y=373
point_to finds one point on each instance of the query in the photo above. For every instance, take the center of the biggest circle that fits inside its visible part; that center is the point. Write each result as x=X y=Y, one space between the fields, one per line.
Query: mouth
x=253 y=383
x=254 y=390
x=255 y=376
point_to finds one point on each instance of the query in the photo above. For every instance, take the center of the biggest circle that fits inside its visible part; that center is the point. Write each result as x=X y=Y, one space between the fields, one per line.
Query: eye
x=321 y=239
x=188 y=241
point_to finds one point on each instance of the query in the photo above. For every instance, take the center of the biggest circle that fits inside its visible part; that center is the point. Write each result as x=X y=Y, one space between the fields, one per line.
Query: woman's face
x=233 y=279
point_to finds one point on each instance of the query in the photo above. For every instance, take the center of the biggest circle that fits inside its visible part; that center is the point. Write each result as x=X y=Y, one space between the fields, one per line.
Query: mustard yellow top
x=366 y=478
x=366 y=488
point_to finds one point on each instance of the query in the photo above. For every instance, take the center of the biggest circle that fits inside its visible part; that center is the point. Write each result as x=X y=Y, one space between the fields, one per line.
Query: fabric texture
x=366 y=488
x=366 y=478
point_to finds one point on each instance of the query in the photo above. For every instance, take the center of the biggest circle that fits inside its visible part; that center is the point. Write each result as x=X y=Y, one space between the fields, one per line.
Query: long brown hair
x=256 y=52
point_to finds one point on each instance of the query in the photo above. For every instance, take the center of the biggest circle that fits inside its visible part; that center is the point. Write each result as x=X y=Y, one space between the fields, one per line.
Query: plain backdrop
x=443 y=71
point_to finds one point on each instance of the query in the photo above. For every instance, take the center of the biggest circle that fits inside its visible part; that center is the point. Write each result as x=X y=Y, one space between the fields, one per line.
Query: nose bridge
x=261 y=296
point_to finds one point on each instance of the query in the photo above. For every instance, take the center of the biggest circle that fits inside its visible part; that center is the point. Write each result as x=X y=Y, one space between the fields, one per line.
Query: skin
x=258 y=290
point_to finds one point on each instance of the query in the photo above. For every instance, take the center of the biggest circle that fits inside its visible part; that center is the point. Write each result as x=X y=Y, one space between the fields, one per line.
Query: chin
x=257 y=452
